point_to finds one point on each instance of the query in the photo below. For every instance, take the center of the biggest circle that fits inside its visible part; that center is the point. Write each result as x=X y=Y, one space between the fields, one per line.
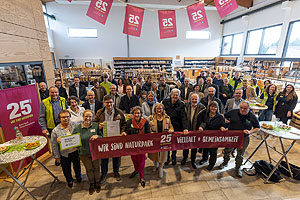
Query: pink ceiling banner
x=70 y=1
x=167 y=24
x=133 y=20
x=99 y=10
x=225 y=7
x=197 y=16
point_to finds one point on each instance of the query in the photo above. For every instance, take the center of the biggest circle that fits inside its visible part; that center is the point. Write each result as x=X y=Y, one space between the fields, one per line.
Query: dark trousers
x=104 y=165
x=66 y=166
x=193 y=154
x=212 y=153
x=173 y=156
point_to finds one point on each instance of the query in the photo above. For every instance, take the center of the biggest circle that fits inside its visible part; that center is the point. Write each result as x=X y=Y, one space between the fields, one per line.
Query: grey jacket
x=146 y=110
x=59 y=132
x=229 y=105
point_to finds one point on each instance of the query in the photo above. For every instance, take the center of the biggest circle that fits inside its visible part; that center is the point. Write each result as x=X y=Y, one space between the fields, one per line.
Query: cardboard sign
x=167 y=24
x=225 y=7
x=110 y=147
x=70 y=141
x=197 y=16
x=99 y=10
x=133 y=20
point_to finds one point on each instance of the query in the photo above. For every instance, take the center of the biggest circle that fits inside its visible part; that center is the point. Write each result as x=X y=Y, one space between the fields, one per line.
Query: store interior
x=46 y=40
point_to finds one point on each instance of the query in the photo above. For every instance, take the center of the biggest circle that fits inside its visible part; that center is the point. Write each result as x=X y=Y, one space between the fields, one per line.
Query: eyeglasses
x=108 y=102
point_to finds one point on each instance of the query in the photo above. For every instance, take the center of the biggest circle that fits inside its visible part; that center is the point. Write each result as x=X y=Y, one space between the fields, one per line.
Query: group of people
x=211 y=104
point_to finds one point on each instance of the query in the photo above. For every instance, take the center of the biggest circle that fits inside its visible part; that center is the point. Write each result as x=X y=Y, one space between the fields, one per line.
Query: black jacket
x=98 y=105
x=228 y=90
x=214 y=86
x=126 y=104
x=204 y=101
x=63 y=92
x=214 y=123
x=82 y=91
x=177 y=114
x=132 y=131
x=44 y=95
x=182 y=91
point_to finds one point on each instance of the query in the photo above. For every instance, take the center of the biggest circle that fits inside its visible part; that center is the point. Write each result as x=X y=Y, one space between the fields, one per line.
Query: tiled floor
x=179 y=182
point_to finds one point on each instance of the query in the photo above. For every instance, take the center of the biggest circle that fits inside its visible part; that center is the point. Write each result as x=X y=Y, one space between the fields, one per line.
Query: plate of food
x=260 y=105
x=4 y=149
x=32 y=145
x=284 y=126
x=267 y=126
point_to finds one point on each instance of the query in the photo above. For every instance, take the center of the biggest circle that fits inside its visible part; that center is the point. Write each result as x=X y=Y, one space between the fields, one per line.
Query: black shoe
x=183 y=161
x=202 y=161
x=210 y=167
x=167 y=162
x=92 y=189
x=79 y=180
x=194 y=165
x=57 y=163
x=117 y=176
x=133 y=174
x=223 y=165
x=143 y=183
x=70 y=184
x=174 y=161
x=98 y=187
x=103 y=178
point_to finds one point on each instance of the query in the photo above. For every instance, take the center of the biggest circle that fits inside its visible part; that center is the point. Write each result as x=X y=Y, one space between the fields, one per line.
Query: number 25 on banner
x=222 y=2
x=25 y=109
x=167 y=22
x=101 y=5
x=197 y=15
x=133 y=19
x=165 y=139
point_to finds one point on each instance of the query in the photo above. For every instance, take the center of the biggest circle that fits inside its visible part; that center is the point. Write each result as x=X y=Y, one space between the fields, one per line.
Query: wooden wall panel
x=12 y=29
x=48 y=66
x=8 y=11
x=24 y=13
x=38 y=15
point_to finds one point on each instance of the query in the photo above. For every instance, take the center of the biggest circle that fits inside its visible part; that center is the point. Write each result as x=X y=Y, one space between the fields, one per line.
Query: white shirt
x=77 y=90
x=77 y=118
x=192 y=113
x=236 y=104
x=134 y=89
x=92 y=106
x=185 y=92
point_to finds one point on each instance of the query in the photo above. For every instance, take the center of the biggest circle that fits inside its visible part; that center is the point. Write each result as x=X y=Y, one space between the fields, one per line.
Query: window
x=198 y=35
x=292 y=46
x=45 y=16
x=232 y=44
x=83 y=32
x=263 y=41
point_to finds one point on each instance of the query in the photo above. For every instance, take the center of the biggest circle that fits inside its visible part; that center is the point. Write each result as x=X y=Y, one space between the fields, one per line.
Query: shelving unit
x=133 y=66
x=199 y=62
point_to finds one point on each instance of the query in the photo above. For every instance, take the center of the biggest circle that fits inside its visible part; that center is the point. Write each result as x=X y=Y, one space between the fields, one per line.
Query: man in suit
x=92 y=103
x=185 y=89
x=136 y=87
x=248 y=91
x=62 y=91
x=128 y=101
x=163 y=90
x=77 y=89
x=208 y=85
x=235 y=102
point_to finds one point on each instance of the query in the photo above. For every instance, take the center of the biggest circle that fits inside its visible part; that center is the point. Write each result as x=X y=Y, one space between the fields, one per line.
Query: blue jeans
x=265 y=115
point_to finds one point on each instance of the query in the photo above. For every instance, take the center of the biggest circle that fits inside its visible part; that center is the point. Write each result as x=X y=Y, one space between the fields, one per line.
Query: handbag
x=264 y=168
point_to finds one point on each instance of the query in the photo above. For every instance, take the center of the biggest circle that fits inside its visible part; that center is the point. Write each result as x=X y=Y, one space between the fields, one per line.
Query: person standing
x=89 y=131
x=163 y=90
x=44 y=92
x=62 y=91
x=240 y=119
x=196 y=89
x=235 y=102
x=68 y=156
x=226 y=91
x=128 y=101
x=116 y=97
x=148 y=85
x=208 y=85
x=211 y=97
x=159 y=122
x=175 y=108
x=99 y=91
x=236 y=81
x=106 y=114
x=266 y=84
x=148 y=106
x=49 y=110
x=121 y=87
x=248 y=91
x=185 y=90
x=213 y=120
x=91 y=103
x=253 y=83
x=218 y=80
x=137 y=125
x=78 y=90
x=268 y=98
x=136 y=87
x=75 y=110
x=106 y=84
x=287 y=101
x=195 y=112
